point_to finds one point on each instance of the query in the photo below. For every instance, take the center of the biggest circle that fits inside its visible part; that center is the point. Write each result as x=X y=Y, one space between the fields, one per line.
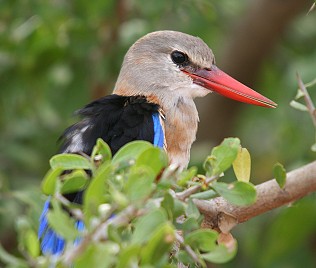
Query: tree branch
x=219 y=214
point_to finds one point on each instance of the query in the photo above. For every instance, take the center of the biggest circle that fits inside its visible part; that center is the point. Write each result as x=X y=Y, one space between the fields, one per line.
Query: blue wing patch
x=158 y=131
x=52 y=243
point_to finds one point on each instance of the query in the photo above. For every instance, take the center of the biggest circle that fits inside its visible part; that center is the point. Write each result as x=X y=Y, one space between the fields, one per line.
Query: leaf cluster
x=138 y=210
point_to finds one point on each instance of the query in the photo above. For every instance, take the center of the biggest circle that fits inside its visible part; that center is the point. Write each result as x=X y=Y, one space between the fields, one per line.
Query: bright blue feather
x=158 y=131
x=52 y=243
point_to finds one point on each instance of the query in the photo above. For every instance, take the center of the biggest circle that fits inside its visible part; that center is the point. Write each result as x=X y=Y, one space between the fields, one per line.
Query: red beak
x=216 y=80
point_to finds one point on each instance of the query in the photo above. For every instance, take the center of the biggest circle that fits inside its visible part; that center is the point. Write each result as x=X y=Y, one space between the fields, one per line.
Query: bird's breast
x=180 y=125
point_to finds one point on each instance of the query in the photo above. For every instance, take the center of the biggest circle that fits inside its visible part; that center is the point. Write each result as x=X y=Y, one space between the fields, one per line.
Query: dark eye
x=179 y=57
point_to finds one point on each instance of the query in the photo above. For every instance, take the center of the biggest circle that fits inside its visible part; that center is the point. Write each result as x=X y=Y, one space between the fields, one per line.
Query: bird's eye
x=179 y=57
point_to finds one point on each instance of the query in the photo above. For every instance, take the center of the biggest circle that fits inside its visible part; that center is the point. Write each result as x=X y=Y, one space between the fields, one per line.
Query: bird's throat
x=181 y=124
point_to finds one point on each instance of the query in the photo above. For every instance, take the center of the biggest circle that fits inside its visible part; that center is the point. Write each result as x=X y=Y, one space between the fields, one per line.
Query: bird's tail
x=51 y=242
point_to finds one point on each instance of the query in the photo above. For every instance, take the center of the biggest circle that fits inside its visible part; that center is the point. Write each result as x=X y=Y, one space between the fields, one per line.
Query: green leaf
x=179 y=208
x=192 y=211
x=159 y=244
x=220 y=254
x=242 y=165
x=113 y=234
x=185 y=258
x=298 y=106
x=168 y=204
x=189 y=225
x=223 y=156
x=32 y=243
x=153 y=157
x=139 y=184
x=128 y=256
x=101 y=149
x=279 y=174
x=95 y=193
x=131 y=151
x=209 y=194
x=69 y=162
x=62 y=223
x=203 y=239
x=187 y=175
x=147 y=224
x=238 y=193
x=73 y=182
x=50 y=180
x=98 y=255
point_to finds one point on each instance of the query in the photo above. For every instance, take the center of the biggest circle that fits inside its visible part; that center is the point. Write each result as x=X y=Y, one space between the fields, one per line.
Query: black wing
x=116 y=119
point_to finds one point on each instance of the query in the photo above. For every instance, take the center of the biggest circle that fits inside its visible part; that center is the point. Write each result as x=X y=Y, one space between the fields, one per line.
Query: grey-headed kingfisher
x=152 y=100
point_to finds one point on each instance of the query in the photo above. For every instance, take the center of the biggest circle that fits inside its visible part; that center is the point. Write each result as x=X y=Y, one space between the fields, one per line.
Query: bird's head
x=168 y=65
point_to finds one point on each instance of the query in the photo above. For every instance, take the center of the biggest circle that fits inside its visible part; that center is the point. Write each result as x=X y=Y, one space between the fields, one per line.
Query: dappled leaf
x=31 y=243
x=147 y=224
x=168 y=204
x=154 y=158
x=220 y=254
x=98 y=255
x=209 y=194
x=50 y=180
x=203 y=239
x=101 y=149
x=189 y=224
x=242 y=165
x=139 y=184
x=299 y=106
x=70 y=161
x=94 y=194
x=159 y=244
x=128 y=256
x=279 y=174
x=238 y=193
x=62 y=223
x=186 y=176
x=192 y=211
x=223 y=156
x=74 y=181
x=131 y=151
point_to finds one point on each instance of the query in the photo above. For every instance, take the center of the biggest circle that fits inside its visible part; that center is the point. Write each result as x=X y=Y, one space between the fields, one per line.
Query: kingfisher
x=153 y=100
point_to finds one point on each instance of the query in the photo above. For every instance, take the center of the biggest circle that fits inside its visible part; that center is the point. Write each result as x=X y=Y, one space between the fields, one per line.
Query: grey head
x=153 y=66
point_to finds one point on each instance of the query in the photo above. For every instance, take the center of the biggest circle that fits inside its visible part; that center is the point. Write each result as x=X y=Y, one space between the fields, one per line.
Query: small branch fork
x=309 y=103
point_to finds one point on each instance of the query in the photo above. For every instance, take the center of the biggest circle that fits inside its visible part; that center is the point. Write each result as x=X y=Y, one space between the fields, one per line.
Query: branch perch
x=219 y=214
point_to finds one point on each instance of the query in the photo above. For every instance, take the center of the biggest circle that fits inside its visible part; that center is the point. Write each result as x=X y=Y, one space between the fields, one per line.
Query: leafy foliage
x=131 y=214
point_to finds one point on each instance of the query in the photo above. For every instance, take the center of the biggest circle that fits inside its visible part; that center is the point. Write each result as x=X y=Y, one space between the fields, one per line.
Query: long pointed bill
x=220 y=82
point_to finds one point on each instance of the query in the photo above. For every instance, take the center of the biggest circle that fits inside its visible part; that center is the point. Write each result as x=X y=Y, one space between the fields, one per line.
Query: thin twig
x=194 y=189
x=311 y=8
x=188 y=249
x=100 y=233
x=309 y=103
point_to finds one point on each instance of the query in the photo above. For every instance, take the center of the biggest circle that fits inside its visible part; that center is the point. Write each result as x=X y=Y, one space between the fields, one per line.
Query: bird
x=153 y=100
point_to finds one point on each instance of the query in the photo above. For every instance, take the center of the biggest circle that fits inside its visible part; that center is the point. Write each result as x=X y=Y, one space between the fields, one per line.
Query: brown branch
x=219 y=214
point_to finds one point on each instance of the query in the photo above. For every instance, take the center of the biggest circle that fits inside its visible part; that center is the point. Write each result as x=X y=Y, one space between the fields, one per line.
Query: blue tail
x=52 y=243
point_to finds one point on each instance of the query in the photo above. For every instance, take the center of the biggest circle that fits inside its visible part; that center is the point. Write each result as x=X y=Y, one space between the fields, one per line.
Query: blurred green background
x=57 y=55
